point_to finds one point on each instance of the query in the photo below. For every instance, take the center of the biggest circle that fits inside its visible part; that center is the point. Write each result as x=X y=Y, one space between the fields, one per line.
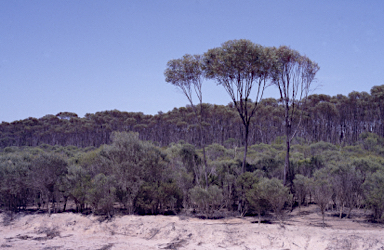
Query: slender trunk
x=202 y=144
x=65 y=203
x=53 y=203
x=288 y=140
x=206 y=168
x=349 y=212
x=197 y=173
x=299 y=205
x=245 y=148
x=341 y=210
x=48 y=206
x=286 y=164
x=41 y=202
x=323 y=218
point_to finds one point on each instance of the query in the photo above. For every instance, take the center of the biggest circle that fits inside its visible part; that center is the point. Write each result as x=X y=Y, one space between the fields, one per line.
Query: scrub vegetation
x=258 y=157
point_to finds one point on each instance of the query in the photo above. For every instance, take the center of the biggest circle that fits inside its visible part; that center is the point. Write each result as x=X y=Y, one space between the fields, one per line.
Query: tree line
x=133 y=176
x=335 y=119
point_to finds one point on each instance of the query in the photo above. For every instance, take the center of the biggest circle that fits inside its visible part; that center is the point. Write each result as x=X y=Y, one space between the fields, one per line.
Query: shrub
x=207 y=200
x=322 y=189
x=374 y=193
x=276 y=194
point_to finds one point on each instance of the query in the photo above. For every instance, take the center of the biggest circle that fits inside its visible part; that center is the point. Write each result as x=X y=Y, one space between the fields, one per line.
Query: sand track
x=299 y=231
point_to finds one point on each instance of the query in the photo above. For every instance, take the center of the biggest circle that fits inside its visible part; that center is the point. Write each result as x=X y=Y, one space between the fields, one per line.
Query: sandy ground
x=299 y=231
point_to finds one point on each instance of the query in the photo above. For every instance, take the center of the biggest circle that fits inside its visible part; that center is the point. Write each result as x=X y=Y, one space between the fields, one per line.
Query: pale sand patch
x=299 y=231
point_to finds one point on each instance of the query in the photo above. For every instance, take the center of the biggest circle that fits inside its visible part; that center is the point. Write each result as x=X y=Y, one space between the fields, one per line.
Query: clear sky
x=92 y=55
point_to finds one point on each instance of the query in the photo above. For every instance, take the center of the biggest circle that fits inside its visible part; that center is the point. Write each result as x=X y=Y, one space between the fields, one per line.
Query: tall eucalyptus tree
x=187 y=75
x=239 y=66
x=293 y=75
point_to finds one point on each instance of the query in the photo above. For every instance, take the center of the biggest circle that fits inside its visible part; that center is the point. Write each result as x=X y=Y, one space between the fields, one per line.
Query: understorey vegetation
x=132 y=176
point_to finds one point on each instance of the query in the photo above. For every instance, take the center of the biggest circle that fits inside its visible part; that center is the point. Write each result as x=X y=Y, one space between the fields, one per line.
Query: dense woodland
x=249 y=157
x=338 y=119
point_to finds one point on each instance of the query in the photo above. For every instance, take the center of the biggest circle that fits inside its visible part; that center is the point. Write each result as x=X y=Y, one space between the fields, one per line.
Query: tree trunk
x=349 y=212
x=245 y=148
x=48 y=206
x=322 y=212
x=286 y=164
x=341 y=210
x=197 y=173
x=65 y=203
x=206 y=168
x=288 y=140
x=202 y=144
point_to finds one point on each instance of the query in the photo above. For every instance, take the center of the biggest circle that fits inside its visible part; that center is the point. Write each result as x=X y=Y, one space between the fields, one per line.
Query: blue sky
x=88 y=56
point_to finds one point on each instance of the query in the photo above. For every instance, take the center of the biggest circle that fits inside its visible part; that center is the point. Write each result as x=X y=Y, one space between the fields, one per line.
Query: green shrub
x=207 y=200
x=374 y=193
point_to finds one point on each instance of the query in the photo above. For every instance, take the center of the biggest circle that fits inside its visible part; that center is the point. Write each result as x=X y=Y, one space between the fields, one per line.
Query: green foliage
x=48 y=171
x=319 y=147
x=353 y=151
x=226 y=172
x=372 y=142
x=374 y=192
x=244 y=183
x=132 y=162
x=216 y=197
x=366 y=165
x=147 y=200
x=206 y=200
x=216 y=152
x=230 y=143
x=200 y=198
x=301 y=148
x=11 y=149
x=322 y=189
x=101 y=194
x=47 y=176
x=257 y=199
x=185 y=73
x=14 y=182
x=302 y=188
x=171 y=197
x=308 y=166
x=266 y=194
x=153 y=198
x=191 y=161
x=178 y=171
x=269 y=164
x=279 y=141
x=347 y=185
x=189 y=157
x=276 y=194
x=79 y=184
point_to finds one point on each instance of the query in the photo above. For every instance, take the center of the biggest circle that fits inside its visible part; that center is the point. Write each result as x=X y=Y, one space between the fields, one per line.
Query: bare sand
x=300 y=230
